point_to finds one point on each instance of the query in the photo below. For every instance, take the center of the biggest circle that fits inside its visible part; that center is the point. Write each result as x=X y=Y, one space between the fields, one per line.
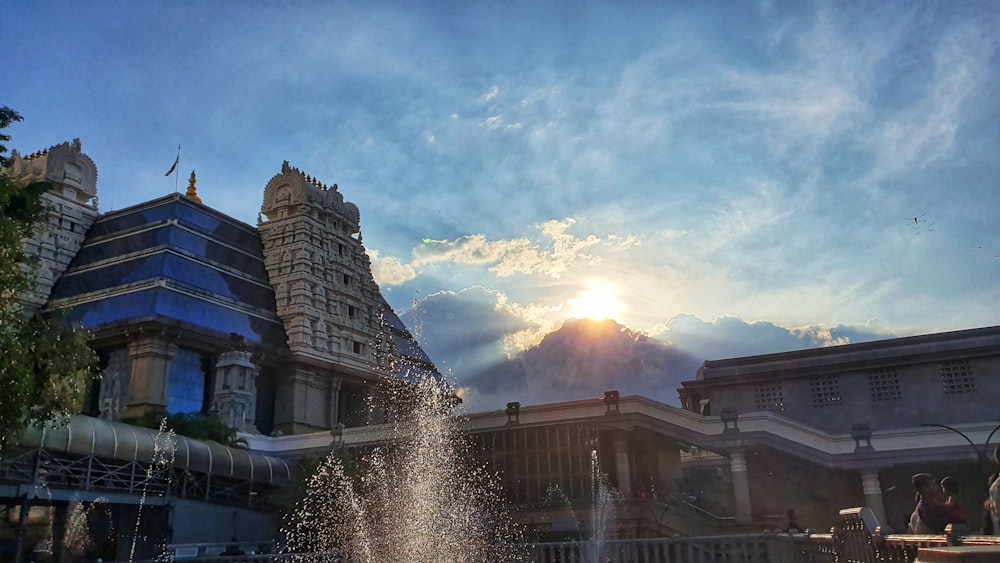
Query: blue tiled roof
x=247 y=258
x=163 y=304
x=172 y=260
x=164 y=264
x=177 y=207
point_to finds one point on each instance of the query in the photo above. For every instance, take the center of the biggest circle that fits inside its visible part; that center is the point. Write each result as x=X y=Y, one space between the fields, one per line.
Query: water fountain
x=420 y=498
x=164 y=450
x=603 y=510
x=88 y=527
x=589 y=546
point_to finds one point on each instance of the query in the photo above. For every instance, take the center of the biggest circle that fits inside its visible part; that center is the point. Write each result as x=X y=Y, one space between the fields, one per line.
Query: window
x=768 y=397
x=884 y=384
x=825 y=391
x=358 y=347
x=347 y=280
x=351 y=311
x=957 y=377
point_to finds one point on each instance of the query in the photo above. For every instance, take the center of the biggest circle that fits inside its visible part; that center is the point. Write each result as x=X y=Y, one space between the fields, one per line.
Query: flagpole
x=177 y=173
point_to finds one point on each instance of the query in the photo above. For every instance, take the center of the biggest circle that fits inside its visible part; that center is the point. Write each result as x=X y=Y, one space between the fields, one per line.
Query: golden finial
x=192 y=192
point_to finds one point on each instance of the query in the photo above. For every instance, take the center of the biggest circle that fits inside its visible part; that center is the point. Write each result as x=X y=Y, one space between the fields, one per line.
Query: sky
x=761 y=176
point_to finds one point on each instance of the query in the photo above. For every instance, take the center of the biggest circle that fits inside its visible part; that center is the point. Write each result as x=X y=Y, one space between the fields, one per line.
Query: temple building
x=279 y=327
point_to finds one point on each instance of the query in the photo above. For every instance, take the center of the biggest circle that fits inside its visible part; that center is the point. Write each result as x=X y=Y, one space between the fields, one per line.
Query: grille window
x=768 y=397
x=825 y=391
x=957 y=377
x=884 y=384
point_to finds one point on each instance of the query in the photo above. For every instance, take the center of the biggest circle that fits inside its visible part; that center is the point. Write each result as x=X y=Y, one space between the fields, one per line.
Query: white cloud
x=926 y=130
x=490 y=95
x=389 y=271
x=496 y=123
x=743 y=217
x=556 y=253
x=493 y=123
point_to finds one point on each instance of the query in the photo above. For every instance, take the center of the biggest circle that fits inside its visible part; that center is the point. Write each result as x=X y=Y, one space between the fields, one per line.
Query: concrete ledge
x=970 y=554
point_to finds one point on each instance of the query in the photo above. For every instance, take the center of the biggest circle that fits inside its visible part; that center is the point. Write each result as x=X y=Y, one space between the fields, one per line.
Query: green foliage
x=45 y=363
x=7 y=116
x=192 y=425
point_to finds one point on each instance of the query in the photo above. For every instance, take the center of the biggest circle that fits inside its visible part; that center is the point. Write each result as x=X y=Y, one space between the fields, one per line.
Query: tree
x=46 y=365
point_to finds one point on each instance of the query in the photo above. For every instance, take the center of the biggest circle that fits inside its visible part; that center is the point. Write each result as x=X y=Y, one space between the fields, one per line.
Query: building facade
x=943 y=378
x=278 y=327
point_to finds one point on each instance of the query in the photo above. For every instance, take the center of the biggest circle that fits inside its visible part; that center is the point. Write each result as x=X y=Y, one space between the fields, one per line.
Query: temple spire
x=192 y=192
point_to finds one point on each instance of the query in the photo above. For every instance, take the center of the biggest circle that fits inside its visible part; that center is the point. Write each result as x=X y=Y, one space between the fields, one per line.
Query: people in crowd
x=952 y=500
x=994 y=501
x=930 y=515
x=793 y=526
x=987 y=517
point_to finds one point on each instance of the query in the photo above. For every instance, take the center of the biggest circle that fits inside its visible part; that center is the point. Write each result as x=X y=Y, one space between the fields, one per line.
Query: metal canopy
x=84 y=435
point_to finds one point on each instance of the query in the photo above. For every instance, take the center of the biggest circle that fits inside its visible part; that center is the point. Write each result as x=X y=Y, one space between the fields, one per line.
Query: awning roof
x=86 y=435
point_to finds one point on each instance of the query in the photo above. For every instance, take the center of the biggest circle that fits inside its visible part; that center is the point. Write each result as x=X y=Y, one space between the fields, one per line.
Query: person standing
x=930 y=516
x=995 y=497
x=953 y=501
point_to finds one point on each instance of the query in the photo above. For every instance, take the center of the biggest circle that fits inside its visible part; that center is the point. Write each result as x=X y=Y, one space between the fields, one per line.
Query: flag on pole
x=174 y=166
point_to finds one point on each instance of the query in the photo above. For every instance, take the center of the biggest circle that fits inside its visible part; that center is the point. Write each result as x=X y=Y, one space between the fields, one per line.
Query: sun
x=598 y=302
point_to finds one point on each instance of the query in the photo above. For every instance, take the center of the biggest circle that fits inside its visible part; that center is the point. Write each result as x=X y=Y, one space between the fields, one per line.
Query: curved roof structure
x=172 y=259
x=84 y=435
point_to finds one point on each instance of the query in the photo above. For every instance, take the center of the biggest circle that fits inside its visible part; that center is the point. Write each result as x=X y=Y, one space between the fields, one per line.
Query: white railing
x=745 y=548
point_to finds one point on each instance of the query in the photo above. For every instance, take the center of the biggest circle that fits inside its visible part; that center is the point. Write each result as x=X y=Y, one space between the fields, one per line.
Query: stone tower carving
x=326 y=298
x=72 y=209
x=324 y=290
x=235 y=395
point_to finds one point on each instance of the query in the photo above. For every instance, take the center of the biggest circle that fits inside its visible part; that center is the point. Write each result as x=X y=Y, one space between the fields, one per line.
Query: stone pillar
x=873 y=493
x=22 y=530
x=235 y=393
x=623 y=468
x=334 y=402
x=668 y=465
x=151 y=358
x=291 y=405
x=741 y=486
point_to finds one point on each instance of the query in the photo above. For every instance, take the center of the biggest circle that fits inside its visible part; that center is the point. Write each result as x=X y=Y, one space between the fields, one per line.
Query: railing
x=749 y=548
x=852 y=541
x=858 y=539
x=744 y=548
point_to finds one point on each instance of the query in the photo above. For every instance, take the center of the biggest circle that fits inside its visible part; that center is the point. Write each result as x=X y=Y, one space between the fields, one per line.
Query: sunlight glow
x=598 y=302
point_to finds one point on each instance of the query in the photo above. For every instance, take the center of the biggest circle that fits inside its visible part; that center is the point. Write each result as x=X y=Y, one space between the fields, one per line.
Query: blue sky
x=672 y=164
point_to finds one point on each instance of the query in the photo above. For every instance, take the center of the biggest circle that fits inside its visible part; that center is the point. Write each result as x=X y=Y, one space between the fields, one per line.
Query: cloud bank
x=498 y=353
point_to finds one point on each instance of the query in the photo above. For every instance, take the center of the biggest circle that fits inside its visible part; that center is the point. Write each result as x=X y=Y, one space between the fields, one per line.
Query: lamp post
x=982 y=455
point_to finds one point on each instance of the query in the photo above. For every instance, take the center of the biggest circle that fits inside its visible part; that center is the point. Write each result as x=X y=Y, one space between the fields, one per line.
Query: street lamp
x=983 y=455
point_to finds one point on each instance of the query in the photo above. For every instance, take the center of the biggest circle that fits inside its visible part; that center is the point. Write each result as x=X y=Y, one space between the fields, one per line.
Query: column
x=235 y=394
x=334 y=402
x=151 y=358
x=22 y=530
x=622 y=466
x=668 y=465
x=741 y=486
x=291 y=402
x=873 y=493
